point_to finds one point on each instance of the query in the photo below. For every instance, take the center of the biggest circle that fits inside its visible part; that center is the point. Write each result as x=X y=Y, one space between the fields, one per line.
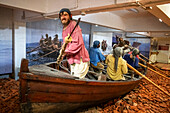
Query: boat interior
x=63 y=71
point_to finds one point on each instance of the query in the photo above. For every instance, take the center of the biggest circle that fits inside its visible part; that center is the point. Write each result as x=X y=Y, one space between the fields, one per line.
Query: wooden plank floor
x=163 y=66
x=145 y=98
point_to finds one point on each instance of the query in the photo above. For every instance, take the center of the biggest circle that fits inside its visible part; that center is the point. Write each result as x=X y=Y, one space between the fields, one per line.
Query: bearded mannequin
x=76 y=53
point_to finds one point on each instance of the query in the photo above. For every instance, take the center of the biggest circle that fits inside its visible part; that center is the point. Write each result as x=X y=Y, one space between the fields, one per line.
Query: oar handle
x=74 y=27
x=153 y=66
x=33 y=50
x=60 y=57
x=147 y=79
x=145 y=57
x=153 y=71
x=44 y=55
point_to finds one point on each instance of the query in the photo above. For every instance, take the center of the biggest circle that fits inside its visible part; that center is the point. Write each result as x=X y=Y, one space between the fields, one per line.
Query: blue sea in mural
x=144 y=48
x=5 y=56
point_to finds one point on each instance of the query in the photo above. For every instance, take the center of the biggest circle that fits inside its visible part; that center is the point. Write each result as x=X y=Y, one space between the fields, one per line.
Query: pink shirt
x=75 y=50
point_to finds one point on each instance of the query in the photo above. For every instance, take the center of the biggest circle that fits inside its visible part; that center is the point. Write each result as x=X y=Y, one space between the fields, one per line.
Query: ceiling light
x=83 y=13
x=166 y=34
x=144 y=7
x=160 y=20
x=148 y=8
x=96 y=25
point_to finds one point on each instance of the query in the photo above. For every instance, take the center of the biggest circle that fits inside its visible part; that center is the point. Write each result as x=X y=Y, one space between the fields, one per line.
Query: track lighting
x=160 y=20
x=144 y=7
x=83 y=13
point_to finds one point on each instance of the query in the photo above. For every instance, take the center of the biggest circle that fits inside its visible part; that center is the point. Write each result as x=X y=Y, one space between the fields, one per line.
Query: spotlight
x=83 y=13
x=166 y=34
x=160 y=20
x=148 y=8
x=144 y=7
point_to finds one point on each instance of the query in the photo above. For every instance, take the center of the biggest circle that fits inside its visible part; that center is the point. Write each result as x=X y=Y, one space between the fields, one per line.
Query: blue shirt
x=131 y=62
x=95 y=56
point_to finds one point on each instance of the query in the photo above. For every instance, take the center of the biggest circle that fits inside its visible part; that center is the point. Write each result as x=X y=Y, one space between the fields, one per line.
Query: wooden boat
x=50 y=46
x=48 y=88
x=44 y=51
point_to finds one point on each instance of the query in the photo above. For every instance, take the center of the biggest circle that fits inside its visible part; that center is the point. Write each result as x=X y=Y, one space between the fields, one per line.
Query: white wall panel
x=20 y=45
x=100 y=36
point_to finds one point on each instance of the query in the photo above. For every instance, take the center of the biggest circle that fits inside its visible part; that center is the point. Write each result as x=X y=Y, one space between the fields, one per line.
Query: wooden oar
x=154 y=71
x=44 y=55
x=154 y=67
x=145 y=57
x=33 y=49
x=60 y=57
x=147 y=79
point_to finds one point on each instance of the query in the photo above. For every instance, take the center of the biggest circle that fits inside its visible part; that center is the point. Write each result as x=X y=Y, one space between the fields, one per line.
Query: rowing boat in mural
x=50 y=88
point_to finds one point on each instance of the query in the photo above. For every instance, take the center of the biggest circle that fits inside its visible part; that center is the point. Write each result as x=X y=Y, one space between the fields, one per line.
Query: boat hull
x=72 y=93
x=50 y=89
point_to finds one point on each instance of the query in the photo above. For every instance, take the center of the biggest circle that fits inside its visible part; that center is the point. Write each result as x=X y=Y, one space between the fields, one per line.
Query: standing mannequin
x=75 y=52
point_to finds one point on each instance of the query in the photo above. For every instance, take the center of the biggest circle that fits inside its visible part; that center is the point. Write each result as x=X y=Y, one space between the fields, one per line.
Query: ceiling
x=140 y=12
x=127 y=11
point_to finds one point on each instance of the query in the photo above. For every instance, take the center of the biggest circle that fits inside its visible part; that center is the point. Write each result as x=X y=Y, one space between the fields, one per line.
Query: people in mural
x=116 y=65
x=48 y=44
x=46 y=37
x=42 y=42
x=117 y=39
x=104 y=45
x=75 y=52
x=96 y=57
x=126 y=47
x=121 y=42
x=56 y=43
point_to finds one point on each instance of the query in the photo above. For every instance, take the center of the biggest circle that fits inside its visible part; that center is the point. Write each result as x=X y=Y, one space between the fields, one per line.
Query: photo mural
x=44 y=41
x=115 y=38
x=44 y=50
x=143 y=45
x=5 y=51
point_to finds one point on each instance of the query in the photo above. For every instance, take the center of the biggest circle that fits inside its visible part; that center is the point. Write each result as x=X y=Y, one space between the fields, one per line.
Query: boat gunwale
x=31 y=75
x=35 y=77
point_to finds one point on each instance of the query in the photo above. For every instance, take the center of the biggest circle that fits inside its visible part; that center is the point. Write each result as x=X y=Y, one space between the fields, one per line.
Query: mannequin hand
x=68 y=40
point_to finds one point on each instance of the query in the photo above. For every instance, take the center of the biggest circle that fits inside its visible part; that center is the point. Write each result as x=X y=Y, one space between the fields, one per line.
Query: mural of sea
x=5 y=56
x=37 y=55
